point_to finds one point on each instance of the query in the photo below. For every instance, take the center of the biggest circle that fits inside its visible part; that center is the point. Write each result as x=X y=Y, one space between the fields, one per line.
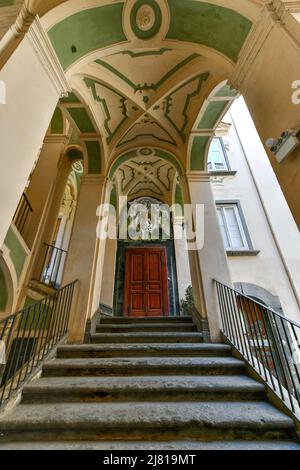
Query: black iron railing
x=28 y=336
x=22 y=213
x=53 y=264
x=268 y=341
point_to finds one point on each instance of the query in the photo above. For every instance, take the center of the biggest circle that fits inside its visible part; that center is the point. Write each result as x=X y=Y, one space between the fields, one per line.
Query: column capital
x=198 y=176
x=278 y=8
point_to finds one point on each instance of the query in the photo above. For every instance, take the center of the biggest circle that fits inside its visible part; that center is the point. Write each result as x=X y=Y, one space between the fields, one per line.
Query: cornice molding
x=56 y=139
x=251 y=49
x=47 y=57
x=198 y=176
x=93 y=180
x=276 y=13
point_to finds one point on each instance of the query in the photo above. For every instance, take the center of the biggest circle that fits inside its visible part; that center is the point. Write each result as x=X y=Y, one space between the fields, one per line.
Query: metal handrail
x=268 y=341
x=22 y=213
x=53 y=263
x=29 y=335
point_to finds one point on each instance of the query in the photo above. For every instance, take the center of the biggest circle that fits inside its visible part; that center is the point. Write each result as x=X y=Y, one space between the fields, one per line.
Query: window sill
x=242 y=252
x=222 y=173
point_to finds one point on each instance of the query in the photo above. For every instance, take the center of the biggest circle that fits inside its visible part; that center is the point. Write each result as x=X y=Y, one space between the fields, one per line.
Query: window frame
x=227 y=168
x=248 y=246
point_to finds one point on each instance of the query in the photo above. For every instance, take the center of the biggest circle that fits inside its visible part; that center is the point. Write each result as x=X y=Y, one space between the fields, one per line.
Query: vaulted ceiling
x=147 y=73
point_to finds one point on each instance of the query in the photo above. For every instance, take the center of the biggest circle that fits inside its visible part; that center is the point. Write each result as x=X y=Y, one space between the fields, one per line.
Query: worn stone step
x=147 y=420
x=158 y=388
x=146 y=349
x=175 y=445
x=146 y=338
x=146 y=327
x=144 y=366
x=126 y=320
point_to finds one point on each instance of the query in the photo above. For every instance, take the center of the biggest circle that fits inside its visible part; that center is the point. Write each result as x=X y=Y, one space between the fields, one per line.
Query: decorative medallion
x=146 y=151
x=146 y=18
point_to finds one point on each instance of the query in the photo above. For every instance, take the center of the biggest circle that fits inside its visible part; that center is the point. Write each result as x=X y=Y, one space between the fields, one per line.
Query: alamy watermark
x=296 y=93
x=146 y=221
x=2 y=92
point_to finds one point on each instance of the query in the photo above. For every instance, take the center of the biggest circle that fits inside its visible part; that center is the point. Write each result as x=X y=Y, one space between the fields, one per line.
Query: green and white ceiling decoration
x=84 y=131
x=147 y=73
x=205 y=126
x=148 y=171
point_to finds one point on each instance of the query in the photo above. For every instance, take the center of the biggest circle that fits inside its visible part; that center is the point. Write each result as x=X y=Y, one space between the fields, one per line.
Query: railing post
x=72 y=324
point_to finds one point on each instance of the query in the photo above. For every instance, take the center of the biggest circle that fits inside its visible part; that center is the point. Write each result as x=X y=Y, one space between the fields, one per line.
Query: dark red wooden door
x=146 y=283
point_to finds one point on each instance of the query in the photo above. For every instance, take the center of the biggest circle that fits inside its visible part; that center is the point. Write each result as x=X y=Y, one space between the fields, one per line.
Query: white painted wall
x=31 y=97
x=271 y=226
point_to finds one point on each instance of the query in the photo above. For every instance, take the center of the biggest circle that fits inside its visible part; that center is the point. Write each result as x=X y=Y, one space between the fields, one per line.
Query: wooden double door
x=146 y=282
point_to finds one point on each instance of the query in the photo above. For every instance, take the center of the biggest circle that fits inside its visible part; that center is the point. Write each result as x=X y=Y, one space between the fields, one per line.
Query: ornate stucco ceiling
x=146 y=72
x=148 y=172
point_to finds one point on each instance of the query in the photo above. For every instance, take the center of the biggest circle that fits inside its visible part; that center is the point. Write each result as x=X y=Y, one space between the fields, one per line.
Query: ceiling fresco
x=146 y=72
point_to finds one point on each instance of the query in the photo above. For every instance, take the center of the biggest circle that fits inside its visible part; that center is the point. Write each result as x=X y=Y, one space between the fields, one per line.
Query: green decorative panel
x=17 y=253
x=81 y=118
x=86 y=31
x=3 y=292
x=74 y=155
x=134 y=55
x=57 y=122
x=178 y=200
x=151 y=129
x=211 y=25
x=6 y=3
x=149 y=33
x=94 y=156
x=147 y=86
x=113 y=197
x=74 y=139
x=133 y=153
x=188 y=90
x=212 y=114
x=118 y=112
x=120 y=160
x=226 y=91
x=198 y=152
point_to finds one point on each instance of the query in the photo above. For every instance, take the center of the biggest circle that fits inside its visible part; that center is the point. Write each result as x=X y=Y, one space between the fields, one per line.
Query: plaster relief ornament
x=145 y=18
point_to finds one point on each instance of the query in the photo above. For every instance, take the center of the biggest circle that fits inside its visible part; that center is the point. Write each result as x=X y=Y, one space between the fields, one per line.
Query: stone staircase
x=147 y=383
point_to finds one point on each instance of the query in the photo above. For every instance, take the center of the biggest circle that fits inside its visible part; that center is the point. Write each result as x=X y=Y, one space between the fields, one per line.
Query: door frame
x=171 y=273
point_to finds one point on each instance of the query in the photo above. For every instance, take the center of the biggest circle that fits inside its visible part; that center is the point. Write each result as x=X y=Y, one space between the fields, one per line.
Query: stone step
x=127 y=320
x=146 y=327
x=143 y=366
x=147 y=420
x=146 y=338
x=158 y=388
x=146 y=349
x=155 y=445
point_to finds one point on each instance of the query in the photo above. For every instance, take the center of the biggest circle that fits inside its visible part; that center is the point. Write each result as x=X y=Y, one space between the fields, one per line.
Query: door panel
x=146 y=282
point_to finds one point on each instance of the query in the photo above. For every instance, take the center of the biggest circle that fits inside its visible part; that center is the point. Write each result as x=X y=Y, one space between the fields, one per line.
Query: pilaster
x=211 y=258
